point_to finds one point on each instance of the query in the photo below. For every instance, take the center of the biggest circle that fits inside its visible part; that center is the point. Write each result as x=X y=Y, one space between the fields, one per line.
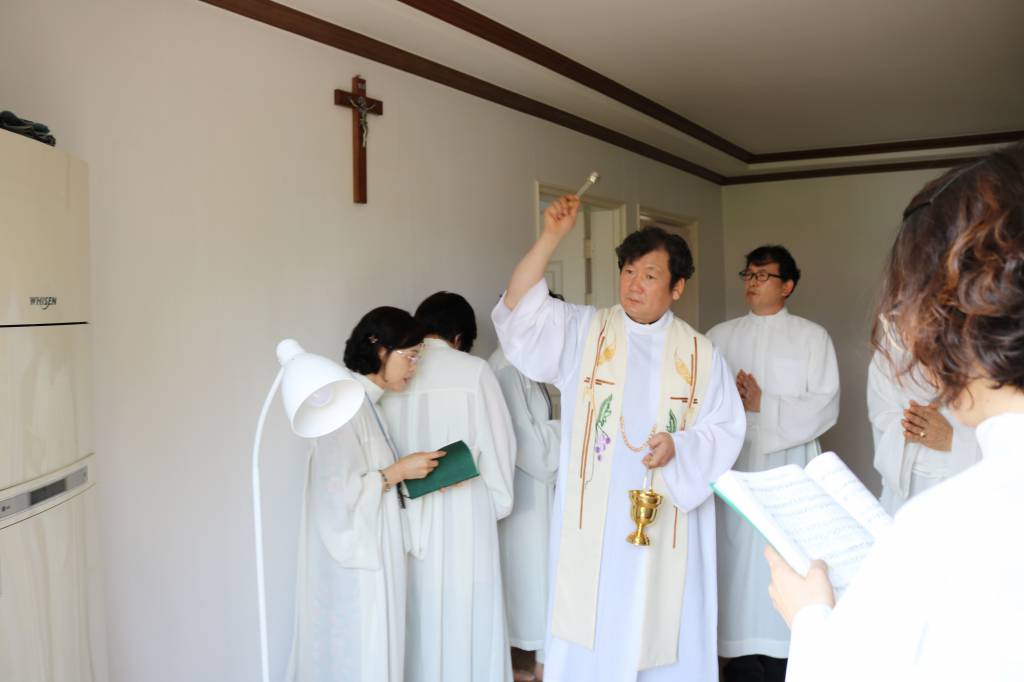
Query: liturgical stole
x=685 y=371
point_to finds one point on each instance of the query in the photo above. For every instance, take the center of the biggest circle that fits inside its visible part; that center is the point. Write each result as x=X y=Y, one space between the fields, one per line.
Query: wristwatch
x=384 y=477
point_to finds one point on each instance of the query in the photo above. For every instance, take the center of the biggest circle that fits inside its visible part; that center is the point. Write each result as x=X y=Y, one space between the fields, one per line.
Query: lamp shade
x=319 y=395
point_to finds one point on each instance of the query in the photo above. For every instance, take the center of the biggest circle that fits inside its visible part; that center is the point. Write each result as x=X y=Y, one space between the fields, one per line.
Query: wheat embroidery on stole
x=689 y=375
x=595 y=418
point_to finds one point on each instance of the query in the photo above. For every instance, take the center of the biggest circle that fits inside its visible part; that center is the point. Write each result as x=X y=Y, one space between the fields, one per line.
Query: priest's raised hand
x=560 y=215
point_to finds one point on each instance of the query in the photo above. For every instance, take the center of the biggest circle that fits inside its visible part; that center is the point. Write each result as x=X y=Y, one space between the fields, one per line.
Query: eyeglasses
x=412 y=354
x=761 y=276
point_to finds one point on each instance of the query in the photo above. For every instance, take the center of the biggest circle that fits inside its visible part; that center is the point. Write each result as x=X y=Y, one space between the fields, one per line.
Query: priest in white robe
x=351 y=579
x=788 y=379
x=456 y=615
x=524 y=533
x=917 y=444
x=643 y=395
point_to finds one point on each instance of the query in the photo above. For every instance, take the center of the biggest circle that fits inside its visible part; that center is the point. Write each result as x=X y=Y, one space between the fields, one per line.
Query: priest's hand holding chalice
x=644 y=502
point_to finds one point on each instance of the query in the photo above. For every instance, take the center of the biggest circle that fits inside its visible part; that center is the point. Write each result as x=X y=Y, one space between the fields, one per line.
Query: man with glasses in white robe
x=788 y=379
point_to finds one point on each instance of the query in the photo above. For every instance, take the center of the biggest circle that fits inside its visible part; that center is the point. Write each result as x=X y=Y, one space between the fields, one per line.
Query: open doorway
x=688 y=306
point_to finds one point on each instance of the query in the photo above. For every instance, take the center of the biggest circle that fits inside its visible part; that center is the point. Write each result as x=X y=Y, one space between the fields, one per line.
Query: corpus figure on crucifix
x=642 y=394
x=362 y=106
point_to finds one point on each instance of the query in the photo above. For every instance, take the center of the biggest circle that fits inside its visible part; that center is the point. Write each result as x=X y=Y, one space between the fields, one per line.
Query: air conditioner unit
x=51 y=607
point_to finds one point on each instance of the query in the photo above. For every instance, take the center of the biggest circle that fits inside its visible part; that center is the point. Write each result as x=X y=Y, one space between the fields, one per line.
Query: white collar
x=373 y=391
x=782 y=314
x=661 y=324
x=435 y=343
x=1001 y=435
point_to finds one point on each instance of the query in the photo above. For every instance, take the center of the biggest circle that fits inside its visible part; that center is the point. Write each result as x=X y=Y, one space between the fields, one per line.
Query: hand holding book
x=790 y=592
x=415 y=466
x=455 y=466
x=820 y=512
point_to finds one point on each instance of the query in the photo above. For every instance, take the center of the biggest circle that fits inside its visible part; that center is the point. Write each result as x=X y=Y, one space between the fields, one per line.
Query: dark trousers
x=755 y=668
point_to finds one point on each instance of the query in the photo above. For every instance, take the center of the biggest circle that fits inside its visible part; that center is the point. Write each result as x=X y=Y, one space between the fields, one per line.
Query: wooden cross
x=361 y=106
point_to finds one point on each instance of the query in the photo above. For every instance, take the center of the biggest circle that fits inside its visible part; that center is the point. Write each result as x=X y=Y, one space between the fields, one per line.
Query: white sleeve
x=708 y=448
x=875 y=630
x=537 y=438
x=788 y=421
x=542 y=336
x=346 y=500
x=894 y=457
x=496 y=441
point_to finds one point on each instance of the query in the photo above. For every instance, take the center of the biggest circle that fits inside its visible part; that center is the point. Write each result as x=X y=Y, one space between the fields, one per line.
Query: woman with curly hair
x=941 y=595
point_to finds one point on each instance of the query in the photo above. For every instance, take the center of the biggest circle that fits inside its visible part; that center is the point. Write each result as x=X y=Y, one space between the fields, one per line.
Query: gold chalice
x=644 y=507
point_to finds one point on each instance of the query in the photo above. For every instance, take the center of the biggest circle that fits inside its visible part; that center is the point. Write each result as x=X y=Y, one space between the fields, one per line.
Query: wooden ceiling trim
x=893 y=167
x=321 y=31
x=473 y=22
x=324 y=32
x=891 y=147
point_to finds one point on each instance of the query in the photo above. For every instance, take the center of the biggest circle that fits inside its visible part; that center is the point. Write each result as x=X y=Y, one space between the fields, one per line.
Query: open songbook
x=822 y=511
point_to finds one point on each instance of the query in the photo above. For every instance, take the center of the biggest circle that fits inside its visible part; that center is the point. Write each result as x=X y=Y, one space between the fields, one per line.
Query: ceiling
x=767 y=76
x=800 y=74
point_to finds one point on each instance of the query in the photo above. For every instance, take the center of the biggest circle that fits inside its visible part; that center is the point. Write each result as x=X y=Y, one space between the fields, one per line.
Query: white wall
x=839 y=230
x=222 y=221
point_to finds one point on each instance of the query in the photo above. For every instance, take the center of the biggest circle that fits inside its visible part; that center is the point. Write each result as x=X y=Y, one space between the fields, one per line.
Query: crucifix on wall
x=361 y=106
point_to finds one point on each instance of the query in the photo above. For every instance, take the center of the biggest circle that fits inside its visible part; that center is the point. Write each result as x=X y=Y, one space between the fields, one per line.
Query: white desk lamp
x=319 y=396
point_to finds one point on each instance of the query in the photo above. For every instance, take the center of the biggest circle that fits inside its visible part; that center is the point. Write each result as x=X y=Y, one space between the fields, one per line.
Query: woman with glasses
x=457 y=629
x=350 y=598
x=940 y=597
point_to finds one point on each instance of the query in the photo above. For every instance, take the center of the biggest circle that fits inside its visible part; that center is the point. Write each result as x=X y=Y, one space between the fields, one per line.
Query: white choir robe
x=544 y=338
x=794 y=363
x=524 y=533
x=456 y=615
x=908 y=469
x=351 y=580
x=940 y=596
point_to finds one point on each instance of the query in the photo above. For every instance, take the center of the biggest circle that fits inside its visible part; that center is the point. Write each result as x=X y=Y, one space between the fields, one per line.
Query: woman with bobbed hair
x=350 y=598
x=941 y=596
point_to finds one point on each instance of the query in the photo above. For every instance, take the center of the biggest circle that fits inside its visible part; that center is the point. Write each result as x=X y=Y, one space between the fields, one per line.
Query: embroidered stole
x=685 y=371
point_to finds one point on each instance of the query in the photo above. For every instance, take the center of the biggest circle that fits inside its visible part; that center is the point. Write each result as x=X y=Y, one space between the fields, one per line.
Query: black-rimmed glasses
x=761 y=276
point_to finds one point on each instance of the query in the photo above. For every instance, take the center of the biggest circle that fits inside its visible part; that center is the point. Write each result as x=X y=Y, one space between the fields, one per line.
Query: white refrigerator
x=51 y=606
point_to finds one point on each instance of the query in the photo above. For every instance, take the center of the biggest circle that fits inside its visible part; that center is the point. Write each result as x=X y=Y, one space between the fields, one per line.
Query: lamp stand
x=257 y=515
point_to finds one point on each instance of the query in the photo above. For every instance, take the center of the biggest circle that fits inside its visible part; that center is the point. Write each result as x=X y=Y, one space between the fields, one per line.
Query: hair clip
x=373 y=339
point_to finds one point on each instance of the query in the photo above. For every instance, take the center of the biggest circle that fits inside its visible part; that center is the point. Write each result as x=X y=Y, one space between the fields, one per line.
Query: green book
x=455 y=466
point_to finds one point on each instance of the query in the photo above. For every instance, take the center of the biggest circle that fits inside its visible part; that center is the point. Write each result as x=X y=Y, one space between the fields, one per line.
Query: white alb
x=794 y=363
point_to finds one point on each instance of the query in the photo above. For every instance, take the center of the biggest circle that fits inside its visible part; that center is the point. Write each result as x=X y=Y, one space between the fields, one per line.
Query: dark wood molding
x=321 y=31
x=892 y=167
x=463 y=17
x=890 y=147
x=468 y=20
